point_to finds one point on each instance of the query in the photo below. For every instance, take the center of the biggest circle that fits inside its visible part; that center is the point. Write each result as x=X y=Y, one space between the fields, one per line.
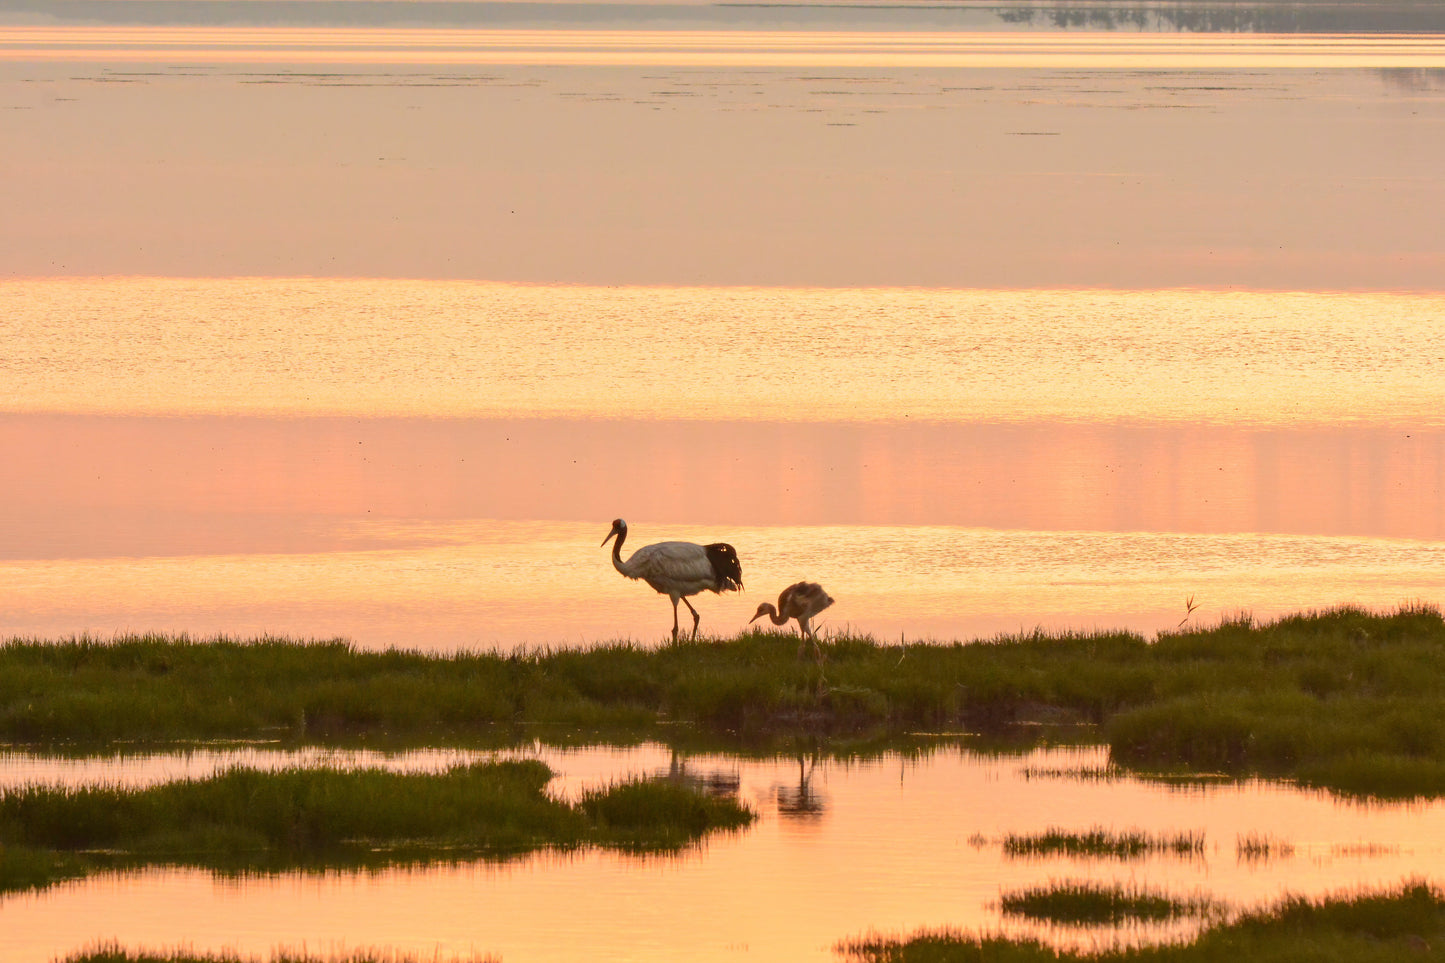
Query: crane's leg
x=695 y=617
x=812 y=633
x=674 y=620
x=803 y=635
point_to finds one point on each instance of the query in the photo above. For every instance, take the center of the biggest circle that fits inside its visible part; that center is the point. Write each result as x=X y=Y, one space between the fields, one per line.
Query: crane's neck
x=617 y=552
x=772 y=613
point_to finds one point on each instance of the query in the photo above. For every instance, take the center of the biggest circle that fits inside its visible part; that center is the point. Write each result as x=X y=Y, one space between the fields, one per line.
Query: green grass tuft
x=1260 y=848
x=25 y=867
x=1101 y=843
x=659 y=813
x=111 y=952
x=1088 y=903
x=1404 y=923
x=249 y=820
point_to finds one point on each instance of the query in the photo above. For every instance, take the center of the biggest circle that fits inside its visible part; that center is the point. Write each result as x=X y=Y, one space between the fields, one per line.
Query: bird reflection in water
x=713 y=782
x=802 y=800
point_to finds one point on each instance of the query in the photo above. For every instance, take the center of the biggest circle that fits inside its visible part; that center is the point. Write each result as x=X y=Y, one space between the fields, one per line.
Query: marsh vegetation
x=1102 y=843
x=1261 y=848
x=1345 y=699
x=1407 y=922
x=1088 y=903
x=245 y=820
x=114 y=953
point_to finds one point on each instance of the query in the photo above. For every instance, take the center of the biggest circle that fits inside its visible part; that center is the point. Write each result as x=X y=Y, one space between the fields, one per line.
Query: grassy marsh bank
x=1404 y=923
x=1343 y=699
x=248 y=820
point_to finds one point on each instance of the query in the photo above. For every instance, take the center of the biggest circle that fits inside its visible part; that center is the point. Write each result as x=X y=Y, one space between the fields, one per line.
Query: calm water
x=433 y=464
x=841 y=849
x=365 y=320
x=768 y=152
x=474 y=350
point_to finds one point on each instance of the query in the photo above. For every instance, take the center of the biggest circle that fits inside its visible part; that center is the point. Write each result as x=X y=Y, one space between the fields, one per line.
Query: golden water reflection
x=431 y=463
x=1089 y=458
x=504 y=584
x=458 y=349
x=719 y=48
x=83 y=486
x=898 y=845
x=439 y=533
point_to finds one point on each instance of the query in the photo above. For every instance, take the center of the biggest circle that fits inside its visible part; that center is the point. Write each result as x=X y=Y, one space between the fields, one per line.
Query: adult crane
x=801 y=601
x=679 y=569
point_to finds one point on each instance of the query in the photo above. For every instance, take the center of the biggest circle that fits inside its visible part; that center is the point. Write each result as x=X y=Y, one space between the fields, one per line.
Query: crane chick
x=679 y=569
x=801 y=601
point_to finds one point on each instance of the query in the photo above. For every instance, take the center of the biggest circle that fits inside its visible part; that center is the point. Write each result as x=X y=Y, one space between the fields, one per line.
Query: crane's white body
x=676 y=569
x=679 y=569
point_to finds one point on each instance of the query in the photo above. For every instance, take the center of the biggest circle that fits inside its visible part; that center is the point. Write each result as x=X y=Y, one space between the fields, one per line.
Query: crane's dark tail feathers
x=725 y=566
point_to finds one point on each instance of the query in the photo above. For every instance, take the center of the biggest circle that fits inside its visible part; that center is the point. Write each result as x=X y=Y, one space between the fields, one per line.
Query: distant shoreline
x=1309 y=16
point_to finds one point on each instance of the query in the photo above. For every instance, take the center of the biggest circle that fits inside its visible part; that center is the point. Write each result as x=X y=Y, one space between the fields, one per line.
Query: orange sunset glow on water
x=363 y=321
x=736 y=49
x=458 y=349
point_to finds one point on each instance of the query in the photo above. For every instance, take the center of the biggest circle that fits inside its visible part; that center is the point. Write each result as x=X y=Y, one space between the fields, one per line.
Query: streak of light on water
x=505 y=584
x=294 y=347
x=732 y=48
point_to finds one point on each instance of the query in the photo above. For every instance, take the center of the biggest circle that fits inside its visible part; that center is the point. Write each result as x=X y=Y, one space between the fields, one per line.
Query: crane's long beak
x=609 y=537
x=755 y=618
